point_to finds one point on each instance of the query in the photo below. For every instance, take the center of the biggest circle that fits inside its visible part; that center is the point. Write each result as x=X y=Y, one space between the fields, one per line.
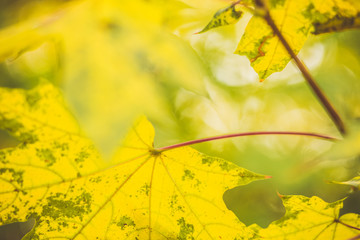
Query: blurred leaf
x=13 y=47
x=338 y=23
x=348 y=147
x=124 y=62
x=311 y=218
x=54 y=176
x=354 y=183
x=225 y=16
x=336 y=15
x=29 y=34
x=121 y=57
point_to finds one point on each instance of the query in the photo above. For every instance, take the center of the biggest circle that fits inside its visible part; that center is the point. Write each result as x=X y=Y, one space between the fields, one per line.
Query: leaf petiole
x=347 y=225
x=209 y=139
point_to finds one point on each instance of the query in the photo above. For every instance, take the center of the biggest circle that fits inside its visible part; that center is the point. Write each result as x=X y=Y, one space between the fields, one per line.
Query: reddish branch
x=305 y=72
x=316 y=135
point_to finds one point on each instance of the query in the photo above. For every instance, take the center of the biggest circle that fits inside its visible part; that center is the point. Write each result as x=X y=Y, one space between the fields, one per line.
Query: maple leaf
x=311 y=218
x=296 y=20
x=57 y=177
x=225 y=16
x=335 y=15
x=263 y=48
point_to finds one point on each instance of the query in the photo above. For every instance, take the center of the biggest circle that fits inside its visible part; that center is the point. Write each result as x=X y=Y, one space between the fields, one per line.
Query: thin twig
x=316 y=135
x=305 y=72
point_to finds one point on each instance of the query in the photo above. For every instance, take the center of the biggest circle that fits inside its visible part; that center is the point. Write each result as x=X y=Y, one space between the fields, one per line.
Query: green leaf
x=225 y=16
x=311 y=218
x=57 y=178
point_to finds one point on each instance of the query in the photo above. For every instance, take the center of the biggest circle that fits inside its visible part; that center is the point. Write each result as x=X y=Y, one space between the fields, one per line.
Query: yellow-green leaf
x=295 y=20
x=311 y=218
x=354 y=183
x=54 y=176
x=225 y=16
x=335 y=15
x=263 y=48
x=338 y=24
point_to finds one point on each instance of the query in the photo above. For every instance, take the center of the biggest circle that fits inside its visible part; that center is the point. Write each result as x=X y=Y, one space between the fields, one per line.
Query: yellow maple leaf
x=295 y=20
x=262 y=46
x=311 y=218
x=56 y=177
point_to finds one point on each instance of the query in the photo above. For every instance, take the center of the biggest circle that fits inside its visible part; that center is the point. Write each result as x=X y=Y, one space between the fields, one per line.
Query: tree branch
x=324 y=137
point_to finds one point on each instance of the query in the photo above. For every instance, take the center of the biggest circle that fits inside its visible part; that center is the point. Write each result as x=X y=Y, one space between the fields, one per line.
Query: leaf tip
x=280 y=195
x=205 y=29
x=261 y=79
x=267 y=177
